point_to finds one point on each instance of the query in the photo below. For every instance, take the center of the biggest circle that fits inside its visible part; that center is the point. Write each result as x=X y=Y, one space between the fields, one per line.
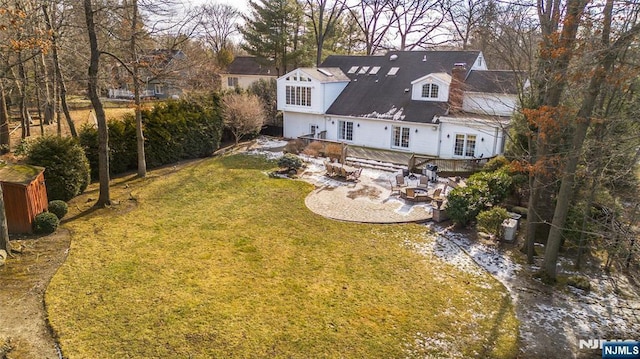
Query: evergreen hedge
x=174 y=131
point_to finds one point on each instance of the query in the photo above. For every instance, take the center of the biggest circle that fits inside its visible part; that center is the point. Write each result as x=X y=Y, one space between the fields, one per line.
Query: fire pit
x=415 y=194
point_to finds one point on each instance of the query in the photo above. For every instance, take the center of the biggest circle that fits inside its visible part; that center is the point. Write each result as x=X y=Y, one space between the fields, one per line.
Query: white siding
x=489 y=104
x=379 y=134
x=297 y=124
x=244 y=81
x=489 y=136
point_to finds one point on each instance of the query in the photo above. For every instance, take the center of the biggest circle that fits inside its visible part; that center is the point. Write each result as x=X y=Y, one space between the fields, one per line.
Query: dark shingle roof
x=493 y=81
x=249 y=65
x=371 y=95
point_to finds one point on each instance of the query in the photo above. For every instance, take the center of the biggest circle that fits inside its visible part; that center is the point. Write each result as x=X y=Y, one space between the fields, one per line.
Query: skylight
x=325 y=72
x=393 y=71
x=363 y=70
x=353 y=69
x=374 y=70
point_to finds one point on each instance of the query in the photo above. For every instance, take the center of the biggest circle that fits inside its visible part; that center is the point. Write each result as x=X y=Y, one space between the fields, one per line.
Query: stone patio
x=368 y=201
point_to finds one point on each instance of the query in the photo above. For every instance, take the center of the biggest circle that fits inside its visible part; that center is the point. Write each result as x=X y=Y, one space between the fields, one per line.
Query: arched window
x=430 y=91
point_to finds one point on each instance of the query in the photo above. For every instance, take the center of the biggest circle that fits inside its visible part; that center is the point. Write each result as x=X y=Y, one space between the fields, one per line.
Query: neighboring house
x=444 y=104
x=245 y=70
x=160 y=71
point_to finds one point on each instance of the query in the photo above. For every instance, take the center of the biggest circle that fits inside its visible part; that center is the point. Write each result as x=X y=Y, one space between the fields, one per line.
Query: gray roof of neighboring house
x=387 y=96
x=326 y=74
x=249 y=65
x=493 y=81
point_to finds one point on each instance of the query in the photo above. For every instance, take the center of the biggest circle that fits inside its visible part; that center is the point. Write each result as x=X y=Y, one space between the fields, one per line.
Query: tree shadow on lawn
x=246 y=162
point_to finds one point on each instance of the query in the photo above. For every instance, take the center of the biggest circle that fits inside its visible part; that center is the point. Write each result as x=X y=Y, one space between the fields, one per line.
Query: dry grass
x=217 y=260
x=80 y=115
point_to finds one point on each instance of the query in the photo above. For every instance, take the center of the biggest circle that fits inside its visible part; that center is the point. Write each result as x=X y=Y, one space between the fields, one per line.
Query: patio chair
x=343 y=172
x=436 y=193
x=400 y=180
x=353 y=176
x=410 y=194
x=424 y=182
x=331 y=171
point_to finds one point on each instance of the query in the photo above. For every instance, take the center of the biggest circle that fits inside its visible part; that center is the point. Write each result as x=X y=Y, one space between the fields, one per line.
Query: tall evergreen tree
x=273 y=33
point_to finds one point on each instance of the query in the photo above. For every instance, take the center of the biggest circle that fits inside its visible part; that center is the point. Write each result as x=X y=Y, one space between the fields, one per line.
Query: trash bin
x=509 y=227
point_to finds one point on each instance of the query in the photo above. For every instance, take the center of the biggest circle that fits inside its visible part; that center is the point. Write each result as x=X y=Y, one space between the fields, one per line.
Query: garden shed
x=25 y=195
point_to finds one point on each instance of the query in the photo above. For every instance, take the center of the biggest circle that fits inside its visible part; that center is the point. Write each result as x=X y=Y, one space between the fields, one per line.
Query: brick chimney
x=458 y=73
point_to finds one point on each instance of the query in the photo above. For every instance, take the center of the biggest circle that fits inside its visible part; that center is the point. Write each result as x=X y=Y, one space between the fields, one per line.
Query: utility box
x=509 y=228
x=431 y=171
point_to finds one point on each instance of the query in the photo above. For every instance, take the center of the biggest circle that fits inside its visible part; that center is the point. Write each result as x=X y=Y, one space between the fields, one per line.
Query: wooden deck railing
x=448 y=167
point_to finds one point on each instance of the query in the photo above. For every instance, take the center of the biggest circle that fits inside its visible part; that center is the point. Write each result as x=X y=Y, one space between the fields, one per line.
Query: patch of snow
x=393 y=114
x=264 y=142
x=564 y=317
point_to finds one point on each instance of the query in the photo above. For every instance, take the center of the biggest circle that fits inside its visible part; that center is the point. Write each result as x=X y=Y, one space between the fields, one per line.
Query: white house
x=245 y=70
x=439 y=103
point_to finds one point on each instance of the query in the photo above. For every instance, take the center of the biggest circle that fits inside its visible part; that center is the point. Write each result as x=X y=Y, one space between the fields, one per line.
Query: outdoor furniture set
x=418 y=193
x=346 y=172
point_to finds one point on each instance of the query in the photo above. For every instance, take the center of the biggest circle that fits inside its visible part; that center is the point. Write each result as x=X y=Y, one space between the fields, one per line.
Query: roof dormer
x=432 y=87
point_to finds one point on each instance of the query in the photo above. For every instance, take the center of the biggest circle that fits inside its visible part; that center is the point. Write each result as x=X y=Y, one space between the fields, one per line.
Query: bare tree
x=464 y=17
x=416 y=22
x=324 y=16
x=104 y=197
x=243 y=114
x=374 y=21
x=220 y=23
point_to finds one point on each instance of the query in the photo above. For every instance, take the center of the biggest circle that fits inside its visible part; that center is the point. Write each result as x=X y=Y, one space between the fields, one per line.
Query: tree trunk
x=585 y=218
x=142 y=162
x=4 y=233
x=104 y=198
x=58 y=75
x=50 y=99
x=5 y=138
x=22 y=101
x=37 y=89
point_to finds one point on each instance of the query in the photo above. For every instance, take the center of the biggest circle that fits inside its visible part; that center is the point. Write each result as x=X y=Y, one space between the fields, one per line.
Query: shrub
x=294 y=146
x=495 y=186
x=45 y=223
x=290 y=162
x=491 y=221
x=66 y=166
x=59 y=208
x=579 y=282
x=463 y=205
x=495 y=164
x=333 y=151
x=314 y=149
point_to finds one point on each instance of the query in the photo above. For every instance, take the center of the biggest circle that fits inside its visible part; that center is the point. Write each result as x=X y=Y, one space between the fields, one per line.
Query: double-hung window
x=401 y=136
x=345 y=130
x=465 y=145
x=430 y=91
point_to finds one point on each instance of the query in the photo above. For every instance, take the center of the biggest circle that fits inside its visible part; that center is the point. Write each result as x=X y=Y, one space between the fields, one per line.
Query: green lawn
x=217 y=260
